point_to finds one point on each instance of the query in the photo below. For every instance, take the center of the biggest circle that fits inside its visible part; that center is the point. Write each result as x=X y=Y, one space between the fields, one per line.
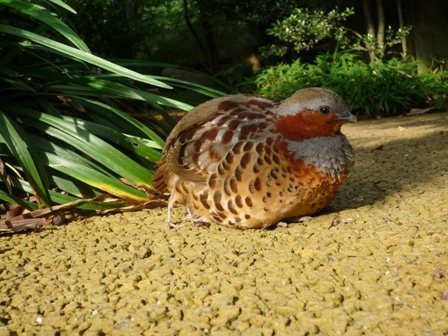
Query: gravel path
x=380 y=268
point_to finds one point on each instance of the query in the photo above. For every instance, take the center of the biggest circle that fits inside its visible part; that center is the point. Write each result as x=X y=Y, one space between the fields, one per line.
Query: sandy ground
x=384 y=272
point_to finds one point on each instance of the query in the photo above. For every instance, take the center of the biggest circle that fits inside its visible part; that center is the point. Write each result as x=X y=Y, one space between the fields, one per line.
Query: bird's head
x=312 y=112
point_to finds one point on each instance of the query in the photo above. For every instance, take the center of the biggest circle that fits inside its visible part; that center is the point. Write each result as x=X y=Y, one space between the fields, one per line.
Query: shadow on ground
x=403 y=153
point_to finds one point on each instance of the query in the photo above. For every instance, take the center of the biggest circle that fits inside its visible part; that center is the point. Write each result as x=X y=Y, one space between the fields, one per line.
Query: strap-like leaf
x=117 y=90
x=81 y=55
x=58 y=198
x=45 y=16
x=63 y=5
x=4 y=196
x=66 y=152
x=94 y=178
x=142 y=147
x=88 y=143
x=111 y=112
x=14 y=136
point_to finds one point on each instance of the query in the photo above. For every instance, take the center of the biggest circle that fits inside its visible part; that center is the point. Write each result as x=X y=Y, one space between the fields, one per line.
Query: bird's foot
x=196 y=221
x=302 y=219
x=282 y=224
x=289 y=220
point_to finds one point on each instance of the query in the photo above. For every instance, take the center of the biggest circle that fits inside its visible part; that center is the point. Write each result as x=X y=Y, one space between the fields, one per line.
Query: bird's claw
x=200 y=223
x=174 y=226
x=300 y=219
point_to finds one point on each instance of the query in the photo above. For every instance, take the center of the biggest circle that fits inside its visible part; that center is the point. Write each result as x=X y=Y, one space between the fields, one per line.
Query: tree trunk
x=369 y=26
x=368 y=17
x=212 y=52
x=132 y=7
x=208 y=48
x=381 y=25
x=193 y=31
x=401 y=23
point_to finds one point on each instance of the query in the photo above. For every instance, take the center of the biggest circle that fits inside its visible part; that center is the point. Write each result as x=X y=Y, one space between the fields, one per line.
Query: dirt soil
x=380 y=268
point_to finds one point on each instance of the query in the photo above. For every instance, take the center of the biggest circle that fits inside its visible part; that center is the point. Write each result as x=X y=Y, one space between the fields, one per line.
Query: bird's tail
x=159 y=178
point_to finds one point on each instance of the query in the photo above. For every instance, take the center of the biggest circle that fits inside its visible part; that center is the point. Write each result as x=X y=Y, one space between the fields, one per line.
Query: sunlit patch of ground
x=382 y=268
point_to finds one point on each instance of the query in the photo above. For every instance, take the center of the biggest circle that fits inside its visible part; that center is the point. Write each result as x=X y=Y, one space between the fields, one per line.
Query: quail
x=248 y=162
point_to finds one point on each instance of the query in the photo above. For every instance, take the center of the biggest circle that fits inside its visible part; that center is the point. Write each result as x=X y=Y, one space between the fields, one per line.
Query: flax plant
x=77 y=132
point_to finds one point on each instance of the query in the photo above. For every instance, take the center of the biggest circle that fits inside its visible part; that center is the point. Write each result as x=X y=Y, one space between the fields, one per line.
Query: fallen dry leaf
x=440 y=273
x=378 y=148
x=73 y=103
x=387 y=219
x=417 y=111
x=5 y=176
x=445 y=295
x=339 y=220
x=11 y=225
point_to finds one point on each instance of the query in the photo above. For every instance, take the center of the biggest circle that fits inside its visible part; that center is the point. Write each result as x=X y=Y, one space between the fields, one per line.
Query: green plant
x=303 y=29
x=377 y=88
x=75 y=128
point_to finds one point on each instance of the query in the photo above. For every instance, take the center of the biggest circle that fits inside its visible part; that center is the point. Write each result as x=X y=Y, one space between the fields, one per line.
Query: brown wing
x=206 y=134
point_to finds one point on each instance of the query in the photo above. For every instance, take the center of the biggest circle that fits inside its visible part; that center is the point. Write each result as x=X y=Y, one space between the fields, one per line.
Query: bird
x=248 y=162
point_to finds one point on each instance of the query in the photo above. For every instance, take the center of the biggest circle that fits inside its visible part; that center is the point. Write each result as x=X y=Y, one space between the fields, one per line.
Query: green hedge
x=382 y=88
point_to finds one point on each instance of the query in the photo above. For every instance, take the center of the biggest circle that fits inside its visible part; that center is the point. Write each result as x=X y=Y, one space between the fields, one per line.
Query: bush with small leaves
x=376 y=88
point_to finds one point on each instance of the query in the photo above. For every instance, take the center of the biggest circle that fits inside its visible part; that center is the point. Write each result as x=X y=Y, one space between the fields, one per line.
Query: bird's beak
x=346 y=116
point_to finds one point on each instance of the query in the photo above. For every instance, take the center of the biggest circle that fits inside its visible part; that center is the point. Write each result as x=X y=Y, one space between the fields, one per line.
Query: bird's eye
x=324 y=110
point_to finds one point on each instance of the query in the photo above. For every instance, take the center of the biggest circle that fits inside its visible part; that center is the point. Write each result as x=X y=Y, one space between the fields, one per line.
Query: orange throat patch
x=307 y=124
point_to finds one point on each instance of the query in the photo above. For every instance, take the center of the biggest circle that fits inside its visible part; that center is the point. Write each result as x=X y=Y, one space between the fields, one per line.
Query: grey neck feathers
x=333 y=155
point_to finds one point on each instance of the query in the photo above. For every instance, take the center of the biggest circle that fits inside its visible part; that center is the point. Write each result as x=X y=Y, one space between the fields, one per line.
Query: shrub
x=381 y=88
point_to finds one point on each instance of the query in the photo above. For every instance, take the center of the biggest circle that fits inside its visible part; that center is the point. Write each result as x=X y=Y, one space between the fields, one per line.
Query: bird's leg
x=190 y=215
x=171 y=225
